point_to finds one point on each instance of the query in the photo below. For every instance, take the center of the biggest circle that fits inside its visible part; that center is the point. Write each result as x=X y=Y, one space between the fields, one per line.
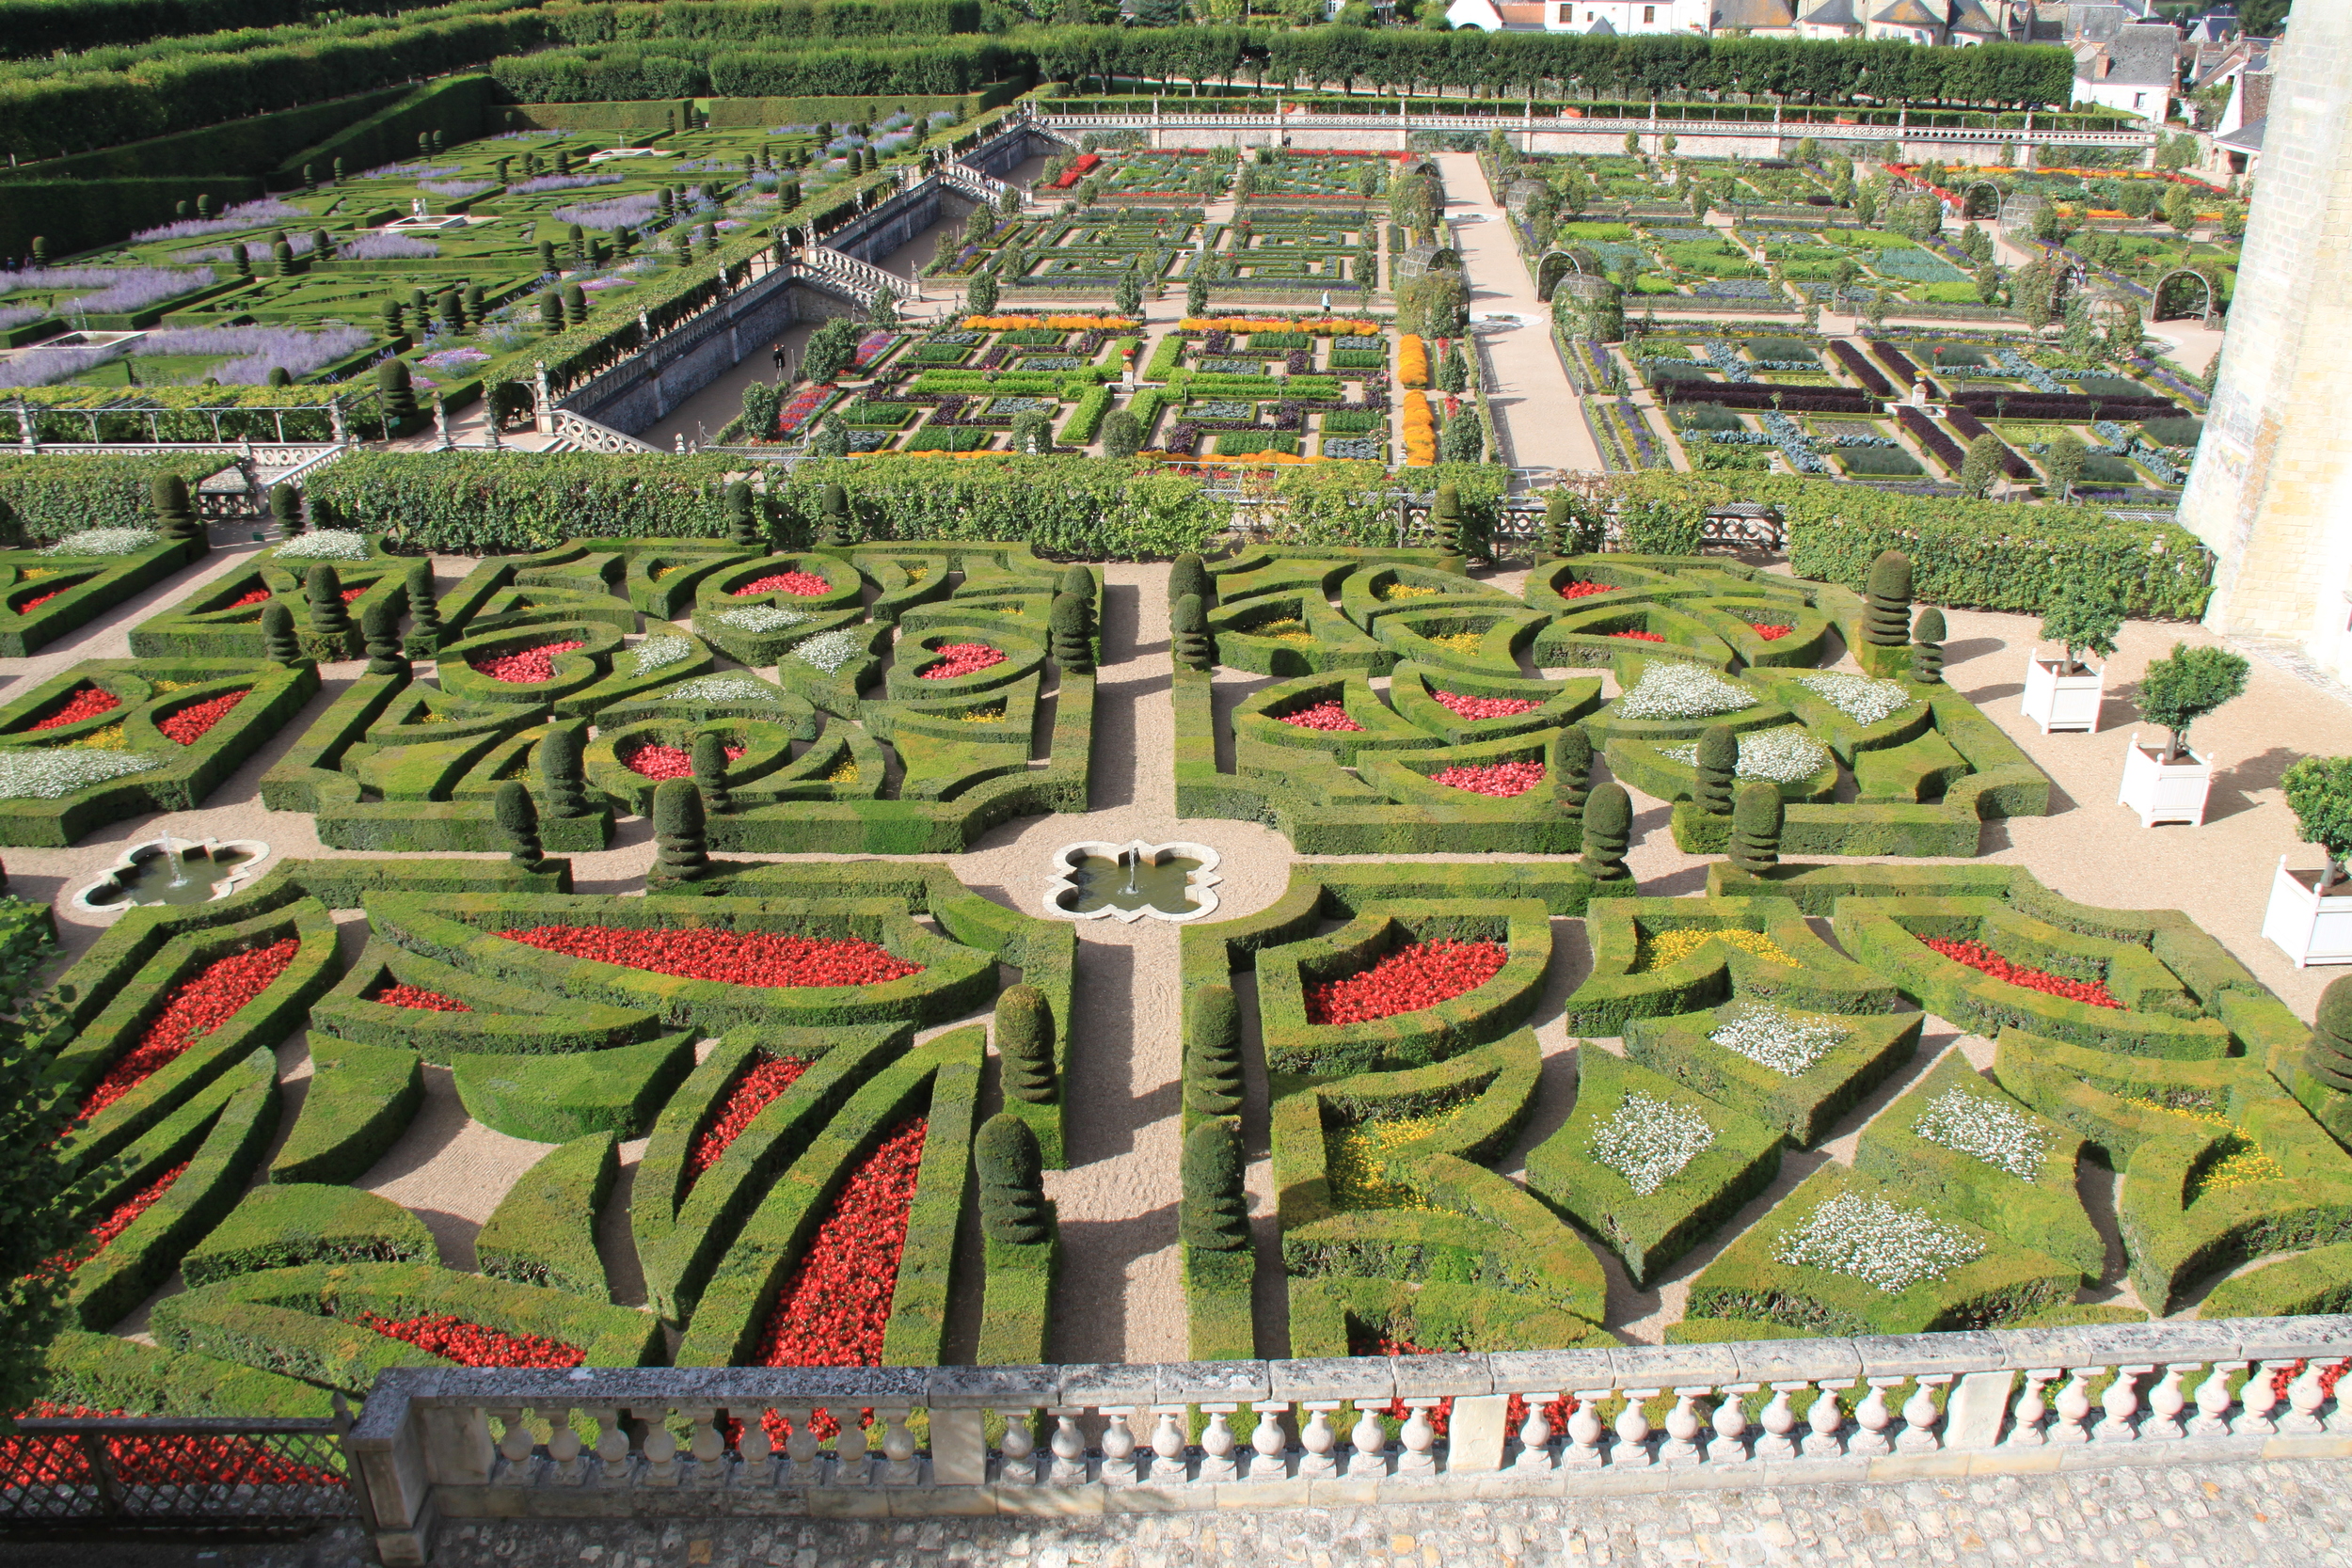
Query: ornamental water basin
x=1133 y=882
x=173 y=871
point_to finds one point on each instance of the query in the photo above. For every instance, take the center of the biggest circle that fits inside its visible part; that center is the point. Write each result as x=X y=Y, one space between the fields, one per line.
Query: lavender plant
x=248 y=215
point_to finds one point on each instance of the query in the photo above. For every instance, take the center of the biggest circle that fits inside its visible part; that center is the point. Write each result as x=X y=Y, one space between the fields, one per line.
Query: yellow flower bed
x=1058 y=323
x=1413 y=361
x=1406 y=591
x=845 y=773
x=2245 y=1167
x=1459 y=641
x=1283 y=631
x=1421 y=431
x=1671 y=947
x=1352 y=1157
x=107 y=740
x=916 y=572
x=982 y=716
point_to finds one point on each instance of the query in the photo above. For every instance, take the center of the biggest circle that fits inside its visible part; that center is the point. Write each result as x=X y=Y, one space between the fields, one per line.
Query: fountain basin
x=1133 y=882
x=173 y=871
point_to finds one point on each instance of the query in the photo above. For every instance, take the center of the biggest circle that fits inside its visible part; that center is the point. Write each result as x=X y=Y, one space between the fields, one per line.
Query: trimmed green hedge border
x=99 y=582
x=544 y=1231
x=357 y=1102
x=555 y=1098
x=286 y=1225
x=505 y=1018
x=1615 y=992
x=100 y=1372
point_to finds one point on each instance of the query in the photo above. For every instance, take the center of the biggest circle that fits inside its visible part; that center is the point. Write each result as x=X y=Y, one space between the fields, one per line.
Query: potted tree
x=2169 y=782
x=2309 y=914
x=2064 y=693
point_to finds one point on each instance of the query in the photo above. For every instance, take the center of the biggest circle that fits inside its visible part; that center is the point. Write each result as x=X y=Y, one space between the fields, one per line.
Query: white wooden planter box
x=2058 y=700
x=2165 y=791
x=2311 y=930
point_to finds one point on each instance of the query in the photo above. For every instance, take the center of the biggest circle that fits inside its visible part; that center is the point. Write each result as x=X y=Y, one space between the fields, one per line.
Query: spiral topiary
x=1188 y=635
x=175 y=517
x=1213 y=1053
x=1756 y=823
x=1066 y=628
x=279 y=644
x=517 y=819
x=563 y=768
x=744 y=530
x=1560 y=528
x=330 y=618
x=1013 y=1212
x=1445 y=521
x=709 y=758
x=681 y=851
x=1025 y=1044
x=833 y=524
x=1608 y=829
x=285 y=509
x=1926 y=647
x=424 y=610
x=1886 y=616
x=1079 y=580
x=1189 y=575
x=2330 y=1054
x=1213 y=1214
x=1719 y=770
x=380 y=627
x=1570 y=767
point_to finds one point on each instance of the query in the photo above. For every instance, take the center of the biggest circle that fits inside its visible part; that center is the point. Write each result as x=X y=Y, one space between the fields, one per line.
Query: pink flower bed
x=1586 y=590
x=1486 y=707
x=1328 y=716
x=805 y=585
x=531 y=667
x=961 y=658
x=1502 y=779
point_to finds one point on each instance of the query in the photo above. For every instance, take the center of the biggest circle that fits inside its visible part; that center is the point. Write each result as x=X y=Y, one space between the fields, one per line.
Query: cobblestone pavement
x=2286 y=1514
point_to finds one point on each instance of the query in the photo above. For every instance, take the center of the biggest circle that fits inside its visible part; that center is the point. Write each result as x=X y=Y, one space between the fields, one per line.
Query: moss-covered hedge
x=544 y=1231
x=284 y=1224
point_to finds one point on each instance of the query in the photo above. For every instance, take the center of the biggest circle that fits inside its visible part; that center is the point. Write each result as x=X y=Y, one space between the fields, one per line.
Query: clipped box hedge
x=544 y=1231
x=555 y=1098
x=1805 y=1106
x=74 y=589
x=357 y=1102
x=1617 y=991
x=286 y=1225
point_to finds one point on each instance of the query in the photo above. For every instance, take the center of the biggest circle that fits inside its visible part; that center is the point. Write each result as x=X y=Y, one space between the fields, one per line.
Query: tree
x=1464 y=438
x=1981 y=467
x=1197 y=294
x=2180 y=209
x=744 y=530
x=2083 y=620
x=2063 y=464
x=49 y=1192
x=285 y=509
x=834 y=527
x=2319 y=792
x=1032 y=432
x=1024 y=1032
x=2179 y=691
x=1213 y=1213
x=1123 y=434
x=1072 y=647
x=979 y=295
x=831 y=348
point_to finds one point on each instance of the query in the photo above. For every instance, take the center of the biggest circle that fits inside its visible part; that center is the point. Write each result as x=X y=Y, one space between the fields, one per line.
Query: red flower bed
x=1767 y=632
x=961 y=658
x=731 y=957
x=654 y=760
x=252 y=596
x=1328 y=716
x=159 y=1460
x=85 y=702
x=473 y=1345
x=1640 y=636
x=351 y=596
x=194 y=1010
x=28 y=605
x=807 y=585
x=1977 y=956
x=758 y=1089
x=531 y=667
x=1416 y=975
x=102 y=1235
x=398 y=995
x=188 y=725
x=1502 y=780
x=1486 y=707
x=1586 y=590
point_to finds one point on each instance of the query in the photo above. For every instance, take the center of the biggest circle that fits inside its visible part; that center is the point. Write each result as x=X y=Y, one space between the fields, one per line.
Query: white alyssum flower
x=762 y=617
x=1880 y=1244
x=326 y=544
x=725 y=689
x=659 y=653
x=46 y=775
x=1668 y=690
x=1648 y=1140
x=828 y=651
x=1858 y=697
x=1785 y=1042
x=105 y=541
x=1783 y=755
x=1986 y=1129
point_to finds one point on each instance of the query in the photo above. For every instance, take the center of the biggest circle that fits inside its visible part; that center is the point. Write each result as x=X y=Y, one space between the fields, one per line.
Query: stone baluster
x=1418 y=1440
x=1824 y=1422
x=1729 y=1444
x=758 y=1452
x=2073 y=1407
x=853 y=1461
x=2304 y=1398
x=1920 y=1416
x=1269 y=1445
x=1536 y=1457
x=1167 y=1445
x=899 y=1465
x=1069 y=1446
x=1317 y=1443
x=1631 y=1448
x=1368 y=1440
x=2214 y=1400
x=2119 y=1404
x=517 y=1463
x=1218 y=1444
x=2024 y=1424
x=2257 y=1400
x=1871 y=1419
x=708 y=1449
x=804 y=1458
x=1682 y=1427
x=2166 y=1401
x=1779 y=1422
x=1585 y=1429
x=661 y=1466
x=1118 y=1446
x=612 y=1448
x=564 y=1465
x=1017 y=1451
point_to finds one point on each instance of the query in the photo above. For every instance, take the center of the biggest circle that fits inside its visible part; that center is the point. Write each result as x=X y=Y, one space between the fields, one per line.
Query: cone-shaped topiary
x=279 y=643
x=2330 y=1054
x=709 y=758
x=330 y=618
x=517 y=819
x=562 y=767
x=381 y=628
x=1188 y=634
x=744 y=530
x=1213 y=1053
x=833 y=522
x=1607 y=828
x=1025 y=1044
x=681 y=851
x=424 y=610
x=1074 y=650
x=1719 y=770
x=1445 y=521
x=1886 y=618
x=1570 y=767
x=398 y=395
x=1214 y=1214
x=285 y=509
x=1189 y=574
x=1012 y=1185
x=1926 y=647
x=1756 y=821
x=174 y=518
x=1559 y=525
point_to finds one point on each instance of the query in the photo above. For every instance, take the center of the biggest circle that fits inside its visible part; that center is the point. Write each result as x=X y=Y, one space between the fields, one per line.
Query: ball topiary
x=1189 y=575
x=681 y=851
x=1719 y=770
x=1213 y=1214
x=1013 y=1212
x=1188 y=635
x=517 y=819
x=1025 y=1044
x=2330 y=1054
x=381 y=628
x=1570 y=767
x=709 y=758
x=424 y=610
x=1213 y=1053
x=1074 y=650
x=1608 y=829
x=561 y=768
x=1756 y=823
x=1926 y=647
x=2178 y=690
x=279 y=644
x=1886 y=616
x=330 y=618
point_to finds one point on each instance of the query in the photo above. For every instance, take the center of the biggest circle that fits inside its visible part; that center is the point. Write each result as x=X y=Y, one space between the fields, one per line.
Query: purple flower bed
x=261 y=348
x=1863 y=370
x=407 y=171
x=301 y=243
x=117 y=290
x=456 y=190
x=455 y=359
x=1299 y=361
x=250 y=214
x=1794 y=399
x=1896 y=360
x=621 y=212
x=2073 y=407
x=560 y=183
x=1216 y=343
x=1181 y=440
x=40 y=366
x=386 y=247
x=19 y=315
x=1971 y=427
x=1923 y=430
x=989 y=357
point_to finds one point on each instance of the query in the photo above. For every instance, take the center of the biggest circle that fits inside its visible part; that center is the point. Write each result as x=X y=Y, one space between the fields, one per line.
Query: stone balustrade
x=449 y=1443
x=1511 y=123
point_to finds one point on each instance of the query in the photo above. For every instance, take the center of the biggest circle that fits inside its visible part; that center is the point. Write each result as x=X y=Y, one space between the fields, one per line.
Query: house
x=2135 y=71
x=1956 y=22
x=1601 y=18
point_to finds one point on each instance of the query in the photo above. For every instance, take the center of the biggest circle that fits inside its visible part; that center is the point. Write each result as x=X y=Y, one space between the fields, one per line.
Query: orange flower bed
x=1058 y=323
x=1421 y=431
x=1328 y=326
x=1413 y=361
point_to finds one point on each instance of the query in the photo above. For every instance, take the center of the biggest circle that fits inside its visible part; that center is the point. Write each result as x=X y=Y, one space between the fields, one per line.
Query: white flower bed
x=1783 y=755
x=1985 y=1129
x=659 y=653
x=1858 y=697
x=105 y=541
x=725 y=689
x=1649 y=1140
x=1880 y=1244
x=828 y=651
x=763 y=617
x=1782 y=1042
x=326 y=544
x=47 y=775
x=1671 y=690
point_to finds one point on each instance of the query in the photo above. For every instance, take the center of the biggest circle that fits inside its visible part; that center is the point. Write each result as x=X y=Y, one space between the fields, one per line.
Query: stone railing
x=436 y=1444
x=1682 y=130
x=576 y=432
x=862 y=279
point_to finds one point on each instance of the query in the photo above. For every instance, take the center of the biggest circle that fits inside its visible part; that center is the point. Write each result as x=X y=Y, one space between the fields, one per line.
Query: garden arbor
x=2164 y=292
